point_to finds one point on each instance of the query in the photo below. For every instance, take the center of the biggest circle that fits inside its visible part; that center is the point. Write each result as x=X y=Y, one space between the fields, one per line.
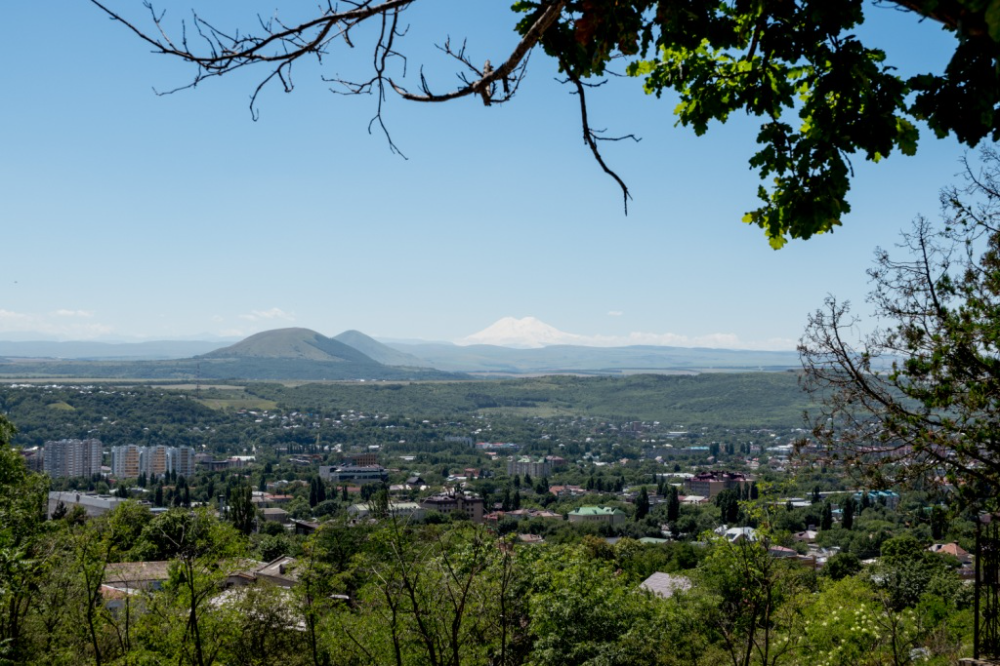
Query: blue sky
x=132 y=216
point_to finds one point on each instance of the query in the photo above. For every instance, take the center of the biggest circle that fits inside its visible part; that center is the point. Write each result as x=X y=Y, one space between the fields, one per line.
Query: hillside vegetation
x=729 y=399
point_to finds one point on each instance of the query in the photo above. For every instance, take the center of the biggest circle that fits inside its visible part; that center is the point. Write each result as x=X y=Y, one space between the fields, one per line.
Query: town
x=305 y=491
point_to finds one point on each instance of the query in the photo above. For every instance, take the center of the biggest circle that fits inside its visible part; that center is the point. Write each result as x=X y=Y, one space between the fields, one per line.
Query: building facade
x=535 y=467
x=447 y=503
x=597 y=514
x=369 y=459
x=182 y=460
x=129 y=461
x=126 y=461
x=94 y=505
x=357 y=473
x=710 y=484
x=73 y=457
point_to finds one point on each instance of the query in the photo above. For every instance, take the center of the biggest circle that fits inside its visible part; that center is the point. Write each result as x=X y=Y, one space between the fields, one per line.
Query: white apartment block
x=73 y=457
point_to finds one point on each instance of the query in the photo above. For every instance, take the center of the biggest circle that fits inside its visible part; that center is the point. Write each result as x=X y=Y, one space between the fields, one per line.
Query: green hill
x=760 y=399
x=374 y=349
x=292 y=343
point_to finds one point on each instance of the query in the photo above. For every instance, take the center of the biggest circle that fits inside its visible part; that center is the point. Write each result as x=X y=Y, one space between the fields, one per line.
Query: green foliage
x=905 y=571
x=757 y=603
x=819 y=94
x=240 y=509
x=583 y=613
x=841 y=565
x=942 y=308
x=641 y=505
x=22 y=559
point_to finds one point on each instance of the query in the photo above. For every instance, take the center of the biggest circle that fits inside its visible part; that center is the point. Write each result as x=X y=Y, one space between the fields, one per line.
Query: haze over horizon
x=524 y=333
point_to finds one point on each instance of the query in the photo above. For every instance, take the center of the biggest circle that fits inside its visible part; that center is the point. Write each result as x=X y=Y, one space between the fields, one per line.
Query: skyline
x=132 y=216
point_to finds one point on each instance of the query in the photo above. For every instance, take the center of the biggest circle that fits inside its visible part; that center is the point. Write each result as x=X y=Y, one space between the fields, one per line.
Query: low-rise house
x=567 y=491
x=885 y=497
x=521 y=514
x=528 y=514
x=693 y=499
x=954 y=550
x=358 y=473
x=807 y=536
x=781 y=552
x=280 y=572
x=597 y=514
x=129 y=577
x=450 y=502
x=710 y=484
x=276 y=515
x=736 y=534
x=305 y=527
x=396 y=510
x=260 y=499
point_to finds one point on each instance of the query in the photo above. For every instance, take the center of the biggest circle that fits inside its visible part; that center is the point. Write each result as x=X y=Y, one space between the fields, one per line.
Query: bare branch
x=590 y=136
x=505 y=72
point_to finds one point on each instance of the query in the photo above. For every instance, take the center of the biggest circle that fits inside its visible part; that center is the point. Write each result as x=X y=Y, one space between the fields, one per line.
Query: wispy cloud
x=62 y=324
x=615 y=313
x=74 y=313
x=268 y=315
x=9 y=318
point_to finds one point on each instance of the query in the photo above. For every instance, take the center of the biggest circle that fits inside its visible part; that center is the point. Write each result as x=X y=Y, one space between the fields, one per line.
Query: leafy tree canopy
x=921 y=396
x=821 y=94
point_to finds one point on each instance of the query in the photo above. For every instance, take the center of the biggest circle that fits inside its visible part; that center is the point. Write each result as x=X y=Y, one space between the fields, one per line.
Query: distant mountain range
x=290 y=353
x=299 y=353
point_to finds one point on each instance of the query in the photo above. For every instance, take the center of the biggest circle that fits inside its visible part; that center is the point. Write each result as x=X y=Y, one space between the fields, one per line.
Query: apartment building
x=534 y=467
x=73 y=457
x=126 y=461
x=129 y=461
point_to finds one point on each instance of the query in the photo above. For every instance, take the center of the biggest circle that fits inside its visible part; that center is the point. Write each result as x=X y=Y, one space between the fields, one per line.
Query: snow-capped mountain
x=524 y=333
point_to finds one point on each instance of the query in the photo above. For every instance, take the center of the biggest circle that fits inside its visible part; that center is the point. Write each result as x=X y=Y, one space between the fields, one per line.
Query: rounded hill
x=292 y=343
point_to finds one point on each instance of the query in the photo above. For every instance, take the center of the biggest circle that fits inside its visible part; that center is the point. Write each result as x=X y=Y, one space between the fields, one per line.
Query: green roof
x=595 y=511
